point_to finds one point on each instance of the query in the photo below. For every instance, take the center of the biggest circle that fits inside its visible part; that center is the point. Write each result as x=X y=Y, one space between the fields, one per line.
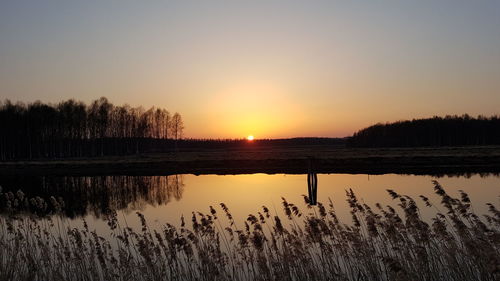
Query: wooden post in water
x=312 y=182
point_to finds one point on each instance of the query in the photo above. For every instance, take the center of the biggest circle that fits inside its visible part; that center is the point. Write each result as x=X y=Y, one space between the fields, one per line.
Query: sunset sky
x=263 y=68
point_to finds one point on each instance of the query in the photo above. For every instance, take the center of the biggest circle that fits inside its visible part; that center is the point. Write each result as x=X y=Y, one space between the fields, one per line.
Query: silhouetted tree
x=177 y=126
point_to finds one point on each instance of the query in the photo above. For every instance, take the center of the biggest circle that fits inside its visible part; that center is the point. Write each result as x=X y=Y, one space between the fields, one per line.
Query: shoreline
x=273 y=160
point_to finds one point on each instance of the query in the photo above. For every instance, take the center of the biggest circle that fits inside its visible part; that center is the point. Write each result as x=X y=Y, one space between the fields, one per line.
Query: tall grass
x=381 y=243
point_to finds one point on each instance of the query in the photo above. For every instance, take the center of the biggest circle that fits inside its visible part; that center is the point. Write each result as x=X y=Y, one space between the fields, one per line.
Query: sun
x=250 y=138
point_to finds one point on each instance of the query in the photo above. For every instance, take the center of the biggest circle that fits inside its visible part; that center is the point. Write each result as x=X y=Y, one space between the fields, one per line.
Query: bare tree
x=177 y=126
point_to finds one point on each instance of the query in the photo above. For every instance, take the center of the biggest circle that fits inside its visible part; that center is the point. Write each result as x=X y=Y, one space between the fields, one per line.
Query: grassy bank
x=276 y=159
x=381 y=243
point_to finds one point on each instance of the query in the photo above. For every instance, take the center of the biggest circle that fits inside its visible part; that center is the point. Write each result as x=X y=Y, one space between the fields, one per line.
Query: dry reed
x=381 y=243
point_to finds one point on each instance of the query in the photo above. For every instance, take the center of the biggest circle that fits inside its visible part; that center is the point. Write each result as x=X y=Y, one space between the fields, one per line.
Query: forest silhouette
x=437 y=131
x=74 y=129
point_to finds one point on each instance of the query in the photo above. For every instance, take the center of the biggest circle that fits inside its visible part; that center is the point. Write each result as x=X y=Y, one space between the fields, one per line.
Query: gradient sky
x=267 y=68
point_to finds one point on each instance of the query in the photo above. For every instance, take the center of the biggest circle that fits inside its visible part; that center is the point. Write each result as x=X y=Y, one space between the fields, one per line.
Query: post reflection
x=312 y=183
x=312 y=188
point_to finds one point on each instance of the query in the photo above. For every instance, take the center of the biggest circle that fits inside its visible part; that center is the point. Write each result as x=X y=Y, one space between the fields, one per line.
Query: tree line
x=437 y=131
x=243 y=143
x=74 y=129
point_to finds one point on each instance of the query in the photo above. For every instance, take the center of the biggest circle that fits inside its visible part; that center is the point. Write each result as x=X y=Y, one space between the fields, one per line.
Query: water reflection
x=312 y=182
x=97 y=195
x=312 y=188
x=166 y=198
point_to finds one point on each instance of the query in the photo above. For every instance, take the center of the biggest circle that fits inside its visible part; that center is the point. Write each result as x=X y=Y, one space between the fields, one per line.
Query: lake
x=101 y=231
x=164 y=199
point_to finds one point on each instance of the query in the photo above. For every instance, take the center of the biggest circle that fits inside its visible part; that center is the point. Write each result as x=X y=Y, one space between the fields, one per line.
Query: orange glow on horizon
x=243 y=104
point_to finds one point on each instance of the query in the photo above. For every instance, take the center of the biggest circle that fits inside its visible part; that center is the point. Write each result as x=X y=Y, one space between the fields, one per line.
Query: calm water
x=166 y=198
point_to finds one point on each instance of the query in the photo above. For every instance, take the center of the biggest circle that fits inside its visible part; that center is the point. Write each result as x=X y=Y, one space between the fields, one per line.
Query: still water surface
x=165 y=199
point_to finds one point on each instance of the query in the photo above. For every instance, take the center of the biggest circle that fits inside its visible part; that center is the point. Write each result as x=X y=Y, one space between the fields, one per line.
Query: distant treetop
x=437 y=131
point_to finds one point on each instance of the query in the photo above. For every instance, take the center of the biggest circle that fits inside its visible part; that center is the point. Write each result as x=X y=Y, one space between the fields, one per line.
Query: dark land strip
x=271 y=160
